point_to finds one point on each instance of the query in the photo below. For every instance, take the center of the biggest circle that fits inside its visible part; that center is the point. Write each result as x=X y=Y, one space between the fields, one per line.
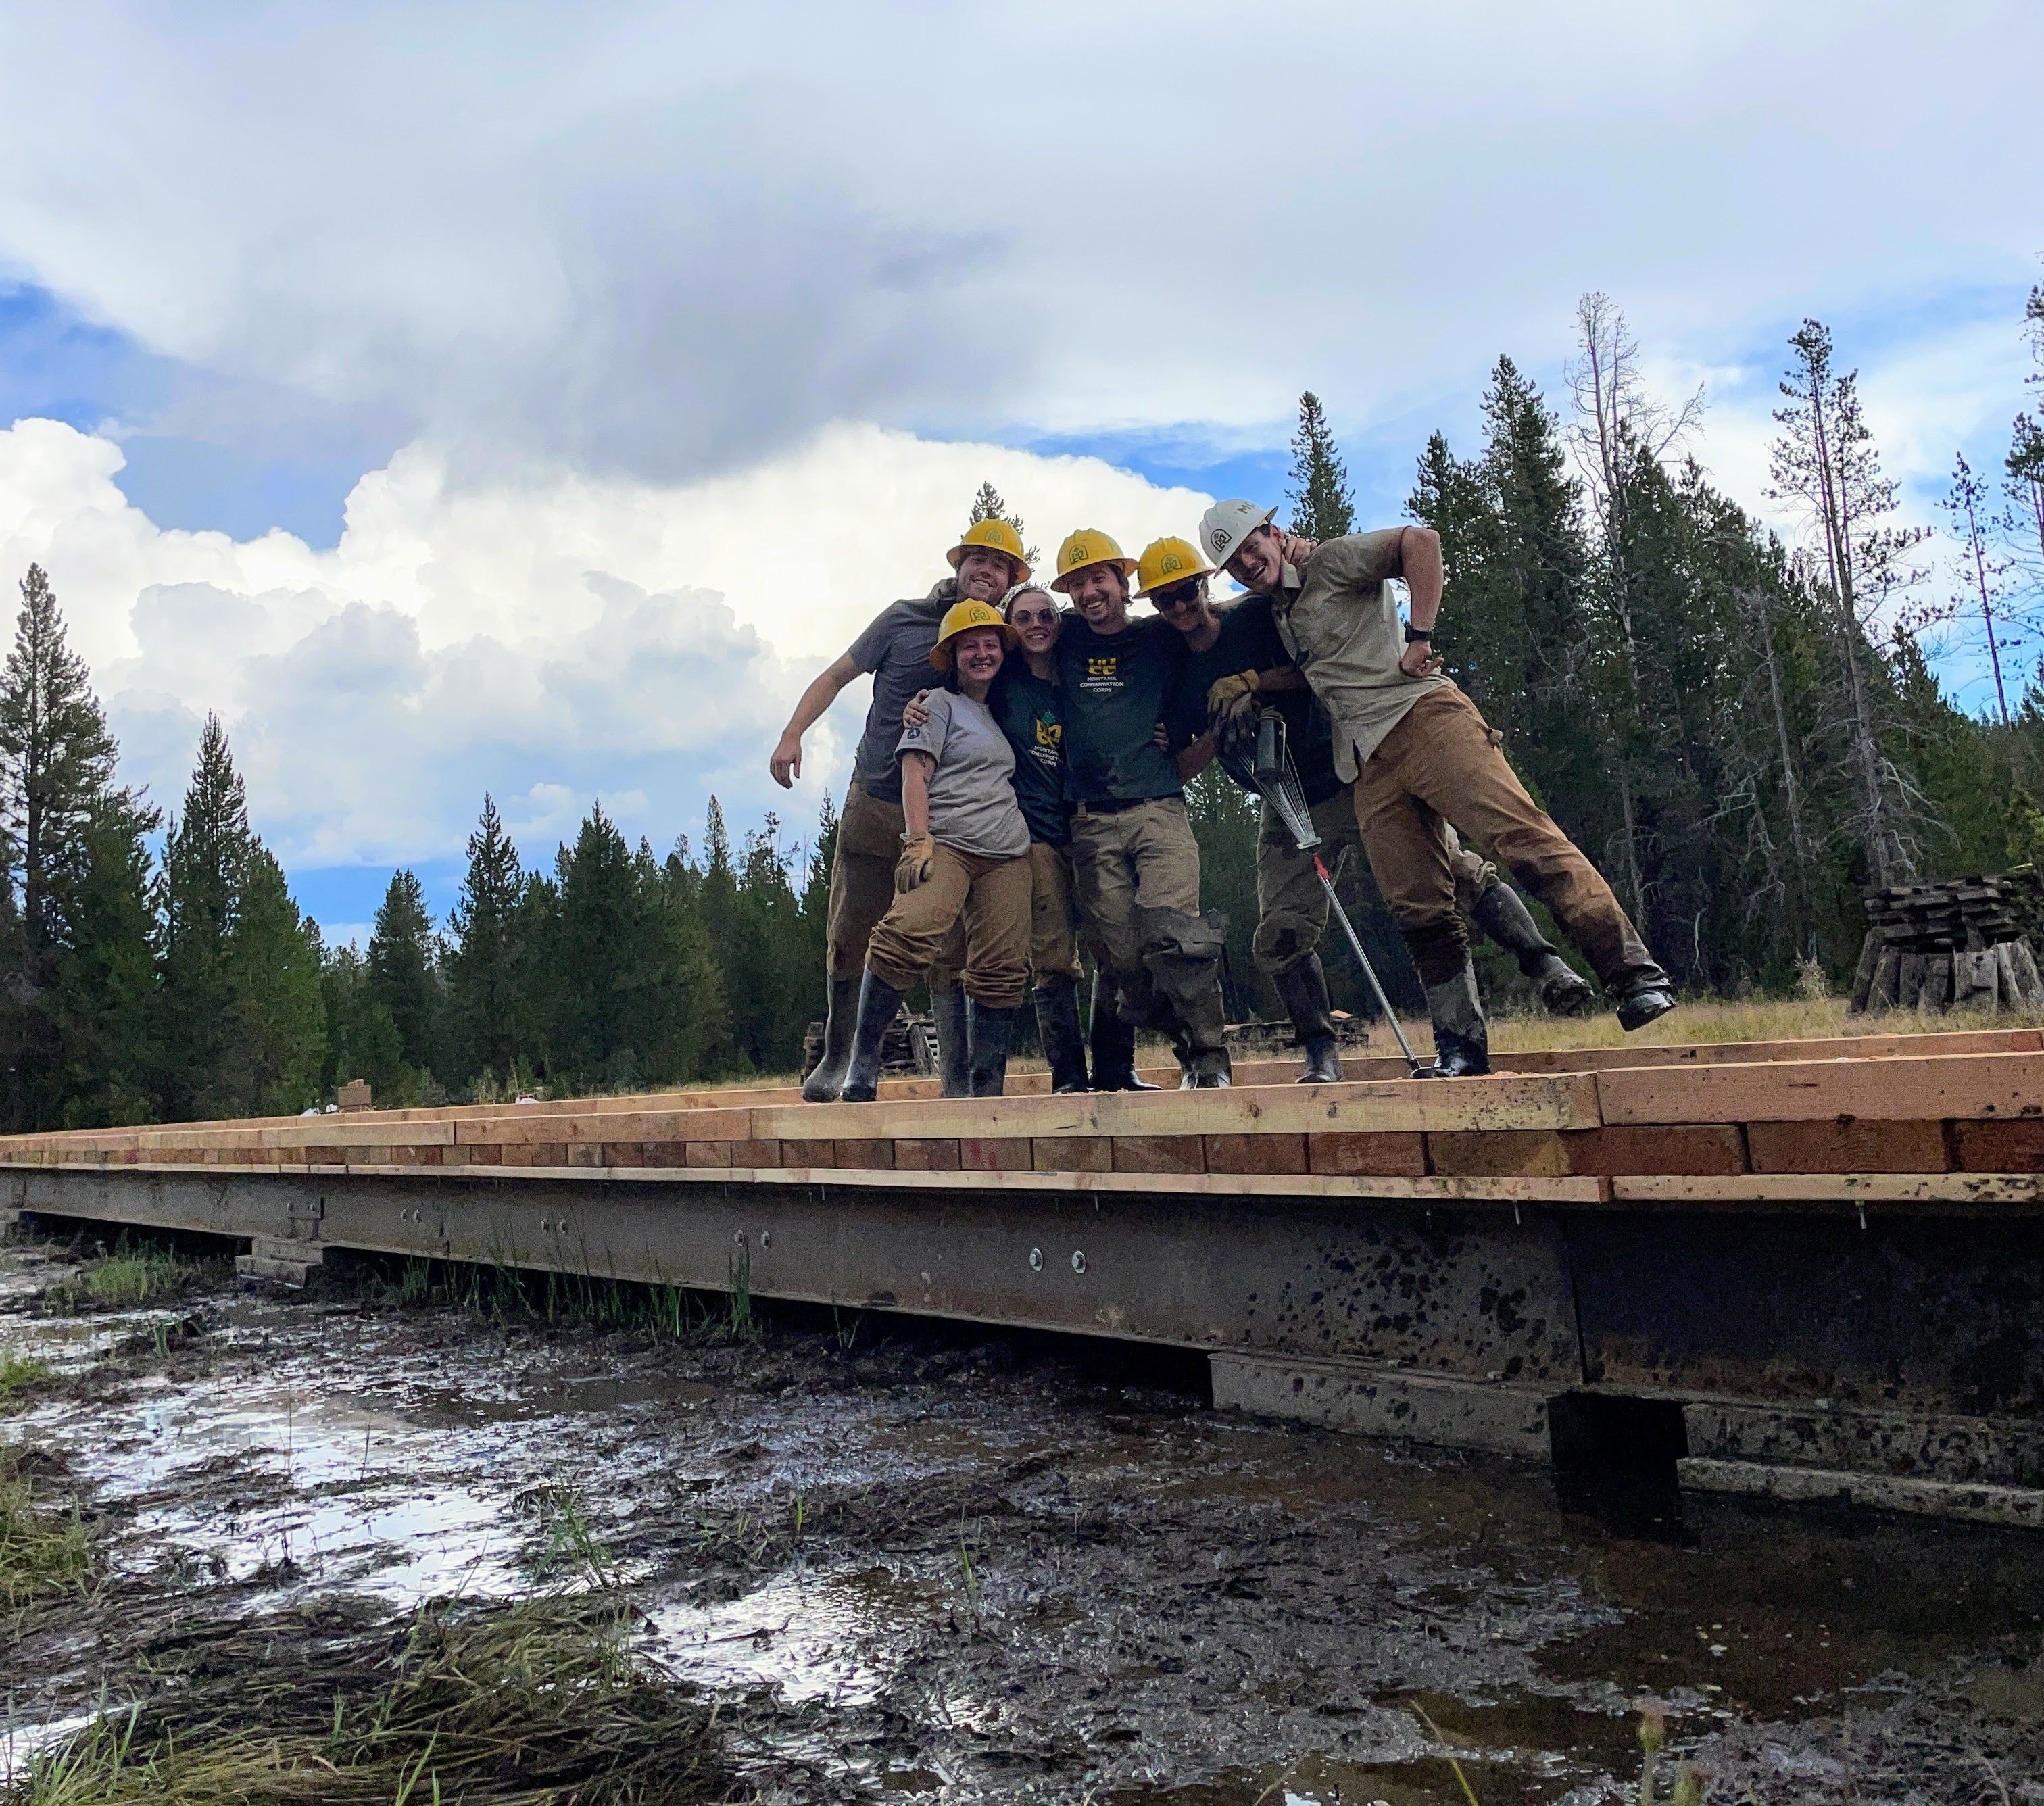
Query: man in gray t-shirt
x=894 y=650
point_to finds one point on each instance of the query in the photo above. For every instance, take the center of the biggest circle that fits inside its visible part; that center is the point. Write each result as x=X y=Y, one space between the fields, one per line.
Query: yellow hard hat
x=1088 y=546
x=1167 y=561
x=958 y=618
x=992 y=536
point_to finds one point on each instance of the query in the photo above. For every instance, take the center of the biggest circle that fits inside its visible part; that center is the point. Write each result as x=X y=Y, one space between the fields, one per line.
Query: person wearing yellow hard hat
x=1135 y=862
x=1415 y=751
x=988 y=561
x=964 y=857
x=1235 y=667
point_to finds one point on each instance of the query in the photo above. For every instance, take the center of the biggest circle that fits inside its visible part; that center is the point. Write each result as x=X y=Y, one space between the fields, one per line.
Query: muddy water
x=935 y=1567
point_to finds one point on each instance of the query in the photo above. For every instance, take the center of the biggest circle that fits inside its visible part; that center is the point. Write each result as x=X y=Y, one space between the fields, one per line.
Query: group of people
x=1017 y=802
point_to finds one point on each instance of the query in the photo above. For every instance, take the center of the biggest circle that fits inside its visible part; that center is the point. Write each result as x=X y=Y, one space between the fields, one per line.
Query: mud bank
x=902 y=1563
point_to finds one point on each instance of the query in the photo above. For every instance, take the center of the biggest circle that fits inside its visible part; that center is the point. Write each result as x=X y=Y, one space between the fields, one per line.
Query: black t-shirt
x=1030 y=712
x=1248 y=641
x=1116 y=690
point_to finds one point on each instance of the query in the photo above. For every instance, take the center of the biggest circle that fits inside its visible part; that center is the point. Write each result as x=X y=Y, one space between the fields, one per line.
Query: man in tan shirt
x=1420 y=754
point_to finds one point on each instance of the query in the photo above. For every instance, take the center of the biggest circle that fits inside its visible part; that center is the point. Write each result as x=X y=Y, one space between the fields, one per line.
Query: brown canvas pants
x=990 y=897
x=1142 y=857
x=862 y=881
x=1442 y=763
x=1054 y=934
x=1291 y=907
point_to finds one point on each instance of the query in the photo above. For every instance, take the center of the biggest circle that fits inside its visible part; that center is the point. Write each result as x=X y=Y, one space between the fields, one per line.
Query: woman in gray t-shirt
x=965 y=857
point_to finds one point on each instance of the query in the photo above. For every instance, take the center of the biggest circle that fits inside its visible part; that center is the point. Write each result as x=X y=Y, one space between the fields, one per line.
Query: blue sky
x=533 y=399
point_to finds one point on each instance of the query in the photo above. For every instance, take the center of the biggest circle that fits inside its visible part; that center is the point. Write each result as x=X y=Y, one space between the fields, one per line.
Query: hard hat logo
x=1221 y=538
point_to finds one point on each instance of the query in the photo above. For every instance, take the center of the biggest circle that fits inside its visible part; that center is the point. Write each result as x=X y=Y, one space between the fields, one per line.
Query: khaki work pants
x=990 y=897
x=1142 y=857
x=1442 y=763
x=1054 y=933
x=1291 y=907
x=862 y=880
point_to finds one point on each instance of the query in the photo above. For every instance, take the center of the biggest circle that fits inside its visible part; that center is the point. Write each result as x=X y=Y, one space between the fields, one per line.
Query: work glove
x=1230 y=703
x=913 y=866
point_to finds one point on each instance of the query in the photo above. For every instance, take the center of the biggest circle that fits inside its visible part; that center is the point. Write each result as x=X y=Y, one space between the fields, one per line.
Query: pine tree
x=988 y=505
x=275 y=959
x=402 y=970
x=1983 y=575
x=491 y=1018
x=57 y=774
x=1825 y=460
x=205 y=856
x=106 y=1000
x=1321 y=506
x=362 y=1040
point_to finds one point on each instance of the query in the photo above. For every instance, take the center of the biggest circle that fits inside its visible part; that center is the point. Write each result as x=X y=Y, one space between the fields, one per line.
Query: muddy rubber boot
x=1113 y=1045
x=954 y=1064
x=1461 y=1037
x=840 y=1023
x=1502 y=914
x=1648 y=1000
x=1303 y=990
x=878 y=1005
x=1058 y=1028
x=992 y=1032
x=1203 y=1055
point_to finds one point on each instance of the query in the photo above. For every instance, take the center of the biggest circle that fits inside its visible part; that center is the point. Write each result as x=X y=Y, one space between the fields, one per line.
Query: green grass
x=46 y=1552
x=538 y=1702
x=135 y=1274
x=660 y=1312
x=19 y=1375
x=571 y=1551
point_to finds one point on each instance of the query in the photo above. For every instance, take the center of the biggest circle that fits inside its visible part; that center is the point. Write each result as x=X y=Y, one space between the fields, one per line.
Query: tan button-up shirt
x=1339 y=621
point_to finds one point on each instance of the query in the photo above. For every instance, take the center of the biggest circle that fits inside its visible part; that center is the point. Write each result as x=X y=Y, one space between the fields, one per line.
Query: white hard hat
x=1225 y=525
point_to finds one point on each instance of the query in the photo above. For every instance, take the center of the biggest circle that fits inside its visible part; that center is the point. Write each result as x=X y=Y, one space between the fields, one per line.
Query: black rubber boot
x=954 y=1065
x=1646 y=1001
x=1502 y=914
x=991 y=1033
x=1302 y=990
x=1113 y=1044
x=840 y=1023
x=878 y=1005
x=1058 y=1028
x=1461 y=1037
x=1203 y=1054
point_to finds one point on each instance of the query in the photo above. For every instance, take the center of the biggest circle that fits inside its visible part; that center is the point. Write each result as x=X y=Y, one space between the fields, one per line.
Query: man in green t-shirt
x=1135 y=863
x=1236 y=651
x=1419 y=753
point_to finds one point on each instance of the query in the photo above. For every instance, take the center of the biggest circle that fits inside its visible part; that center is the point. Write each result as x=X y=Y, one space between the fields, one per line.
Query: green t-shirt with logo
x=1030 y=712
x=1116 y=688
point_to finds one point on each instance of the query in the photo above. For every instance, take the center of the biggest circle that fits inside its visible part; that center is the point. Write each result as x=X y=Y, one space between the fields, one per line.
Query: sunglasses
x=1177 y=595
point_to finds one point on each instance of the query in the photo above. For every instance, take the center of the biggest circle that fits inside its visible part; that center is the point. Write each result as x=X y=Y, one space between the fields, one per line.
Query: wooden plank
x=1848 y=1147
x=708 y=1153
x=1259 y=1153
x=1999 y=1148
x=878 y=1152
x=1565 y=1101
x=926 y=1156
x=1710 y=1147
x=1071 y=1154
x=976 y=1155
x=1959 y=1085
x=1998 y=1189
x=1159 y=1153
x=1396 y=1155
x=604 y=1125
x=1499 y=1152
x=809 y=1153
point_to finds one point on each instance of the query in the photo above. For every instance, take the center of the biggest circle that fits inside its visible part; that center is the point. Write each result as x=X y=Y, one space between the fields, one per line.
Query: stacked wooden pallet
x=1938 y=1121
x=1945 y=946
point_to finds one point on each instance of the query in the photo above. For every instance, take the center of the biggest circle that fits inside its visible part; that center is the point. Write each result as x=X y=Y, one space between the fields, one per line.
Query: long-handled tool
x=1277 y=781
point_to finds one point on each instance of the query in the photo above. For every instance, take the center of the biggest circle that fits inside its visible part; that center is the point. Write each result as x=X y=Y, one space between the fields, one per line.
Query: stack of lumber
x=1945 y=946
x=1943 y=1122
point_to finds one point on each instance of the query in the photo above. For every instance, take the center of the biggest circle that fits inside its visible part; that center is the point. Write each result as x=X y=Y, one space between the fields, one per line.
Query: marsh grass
x=20 y=1375
x=538 y=1702
x=135 y=1274
x=1759 y=1019
x=657 y=1311
x=47 y=1551
x=570 y=1551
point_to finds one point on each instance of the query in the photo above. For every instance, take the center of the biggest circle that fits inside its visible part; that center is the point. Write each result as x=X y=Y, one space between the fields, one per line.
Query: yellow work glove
x=913 y=866
x=1230 y=702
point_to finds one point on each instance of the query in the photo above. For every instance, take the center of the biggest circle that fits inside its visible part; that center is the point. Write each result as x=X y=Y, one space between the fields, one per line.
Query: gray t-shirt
x=973 y=808
x=896 y=649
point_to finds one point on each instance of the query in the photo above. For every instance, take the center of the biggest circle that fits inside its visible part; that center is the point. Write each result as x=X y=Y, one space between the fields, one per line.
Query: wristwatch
x=1414 y=634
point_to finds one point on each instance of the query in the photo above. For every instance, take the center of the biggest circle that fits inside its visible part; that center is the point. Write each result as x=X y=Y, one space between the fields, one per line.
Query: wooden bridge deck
x=1826 y=1258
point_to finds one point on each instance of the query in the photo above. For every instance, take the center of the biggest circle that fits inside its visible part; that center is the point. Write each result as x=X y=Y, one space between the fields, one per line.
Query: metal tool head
x=1278 y=783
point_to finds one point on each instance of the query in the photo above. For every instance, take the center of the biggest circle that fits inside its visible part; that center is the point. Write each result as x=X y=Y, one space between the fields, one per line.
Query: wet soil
x=910 y=1562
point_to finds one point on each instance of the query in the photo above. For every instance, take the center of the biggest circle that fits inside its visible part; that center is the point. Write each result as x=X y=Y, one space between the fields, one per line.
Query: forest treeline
x=1743 y=733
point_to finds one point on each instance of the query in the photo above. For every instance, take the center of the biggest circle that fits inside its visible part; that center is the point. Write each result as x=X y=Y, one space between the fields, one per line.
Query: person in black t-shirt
x=1235 y=651
x=1135 y=862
